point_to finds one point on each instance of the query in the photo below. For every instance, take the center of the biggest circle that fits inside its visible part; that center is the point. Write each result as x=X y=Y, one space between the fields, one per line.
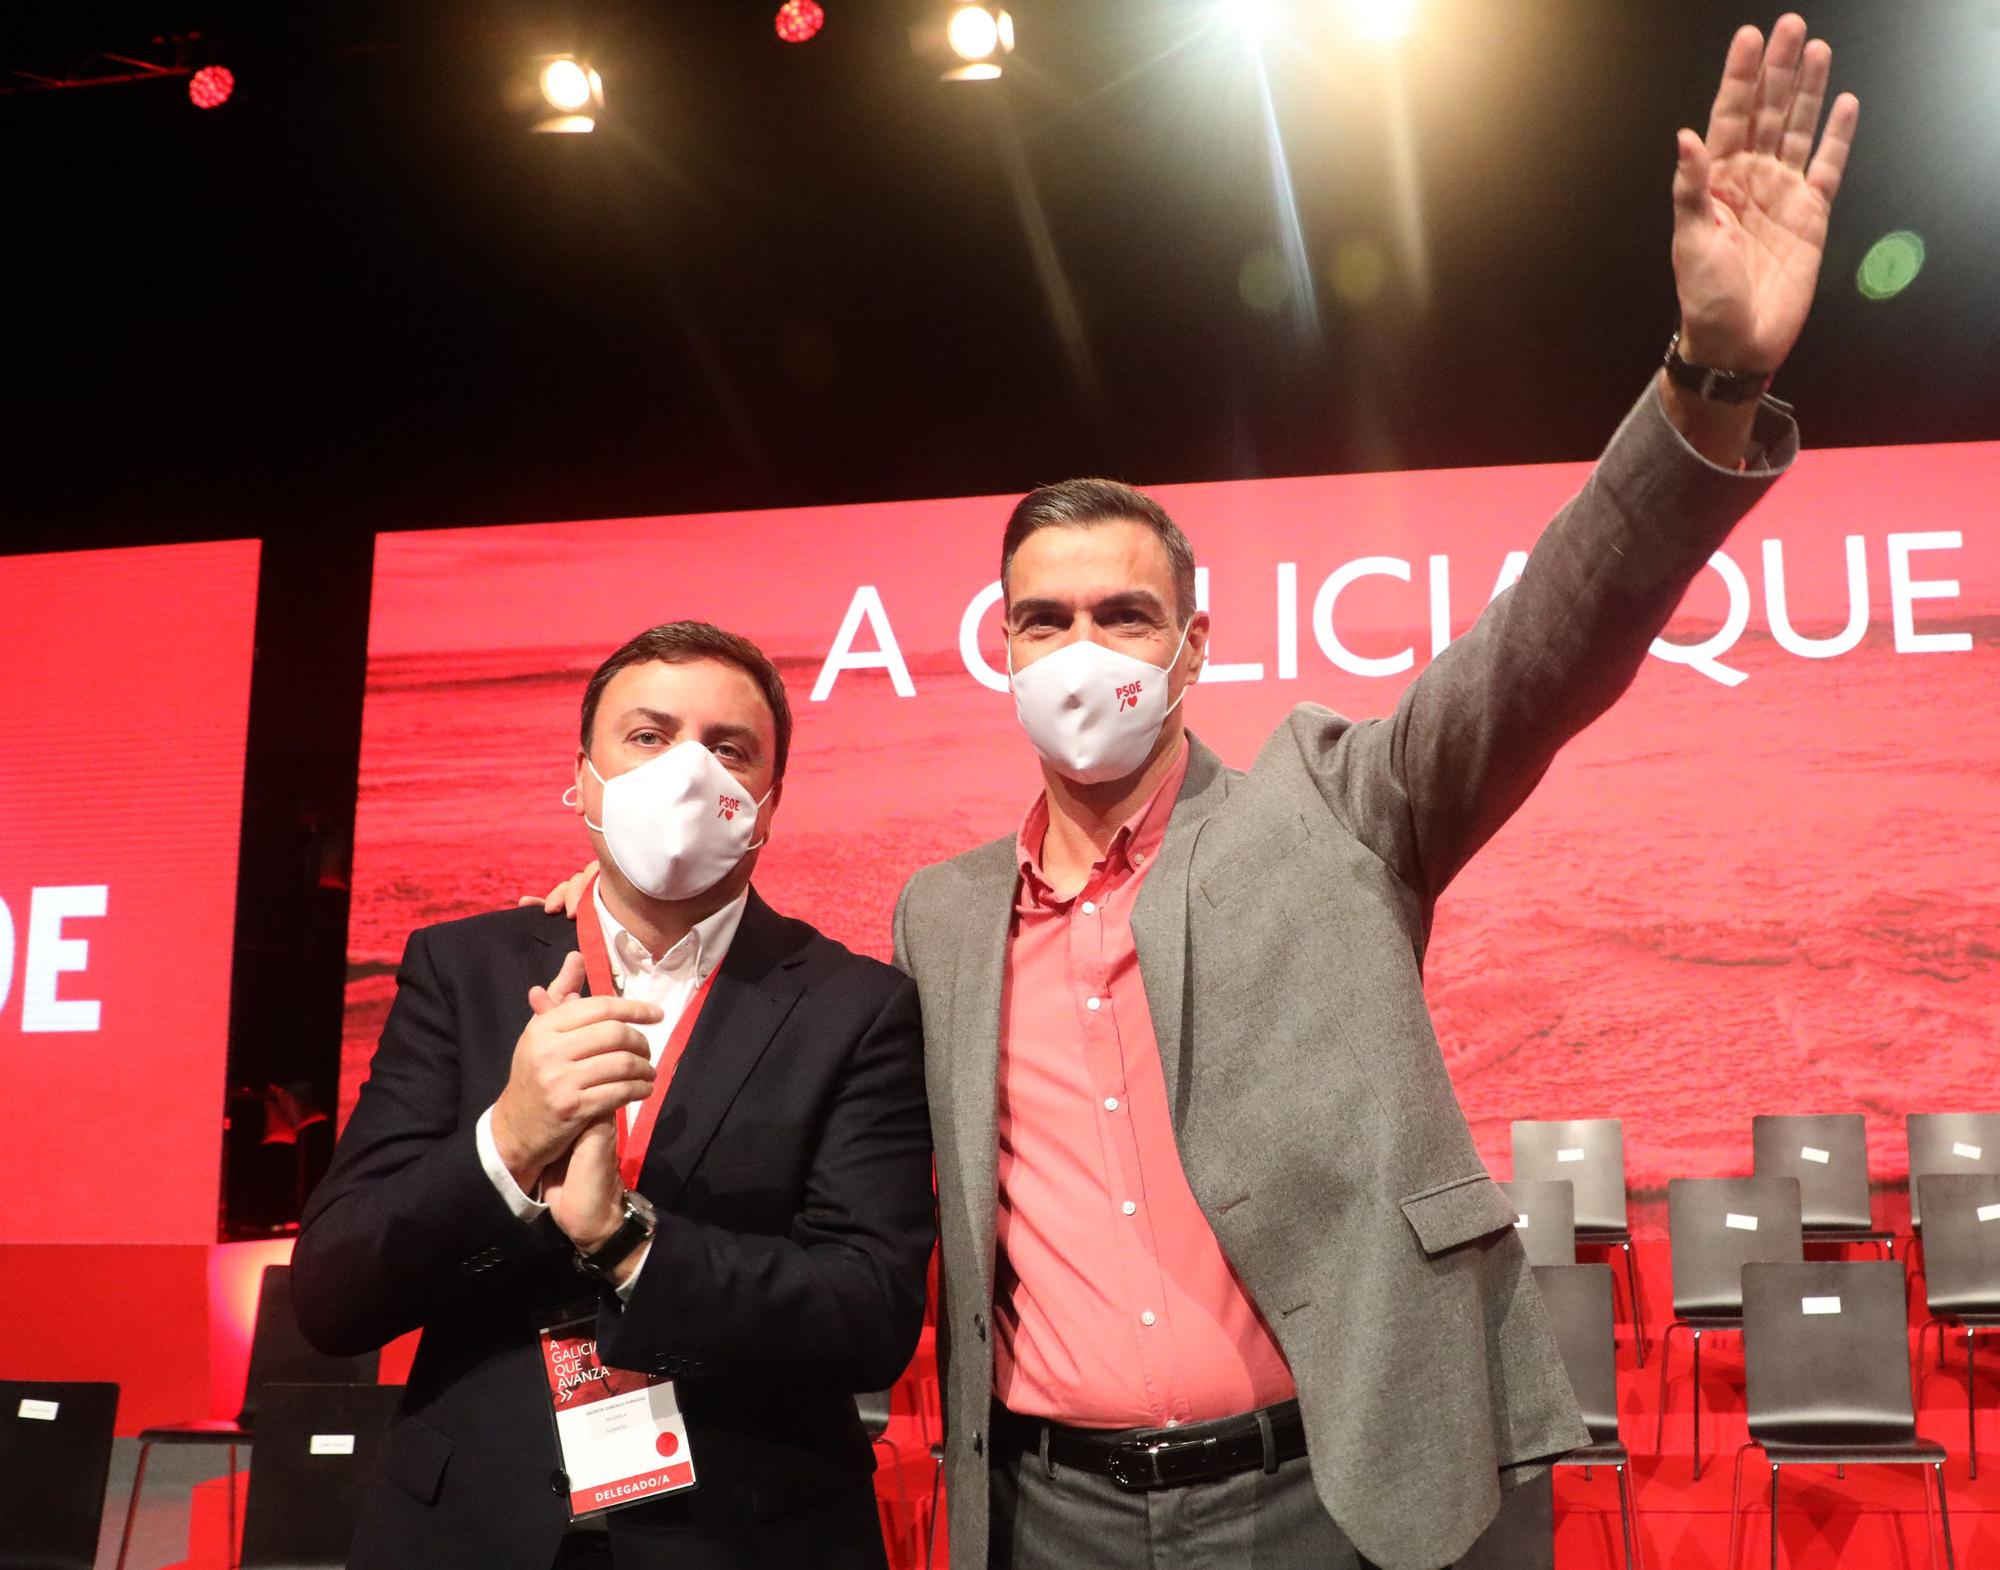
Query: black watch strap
x=1715 y=386
x=636 y=1228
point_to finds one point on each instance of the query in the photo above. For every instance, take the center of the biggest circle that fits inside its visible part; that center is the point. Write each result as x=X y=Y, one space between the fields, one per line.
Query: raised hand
x=577 y=1062
x=1752 y=199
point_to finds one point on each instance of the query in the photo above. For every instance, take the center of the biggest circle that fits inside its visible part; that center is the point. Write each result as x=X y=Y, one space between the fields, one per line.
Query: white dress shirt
x=671 y=981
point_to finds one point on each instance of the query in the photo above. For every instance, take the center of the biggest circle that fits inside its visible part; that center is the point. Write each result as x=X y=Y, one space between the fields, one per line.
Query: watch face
x=639 y=1205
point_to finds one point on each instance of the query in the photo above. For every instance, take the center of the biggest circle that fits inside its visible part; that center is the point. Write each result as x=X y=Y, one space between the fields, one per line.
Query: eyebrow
x=1125 y=599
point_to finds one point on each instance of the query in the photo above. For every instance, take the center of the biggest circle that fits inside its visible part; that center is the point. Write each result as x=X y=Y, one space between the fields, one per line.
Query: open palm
x=1752 y=199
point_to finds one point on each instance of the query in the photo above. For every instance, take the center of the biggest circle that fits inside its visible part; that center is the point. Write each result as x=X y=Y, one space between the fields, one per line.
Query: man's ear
x=575 y=801
x=1197 y=644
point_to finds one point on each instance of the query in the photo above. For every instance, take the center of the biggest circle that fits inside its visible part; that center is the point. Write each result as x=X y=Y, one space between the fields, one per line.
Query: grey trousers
x=1251 y=1521
x=1248 y=1522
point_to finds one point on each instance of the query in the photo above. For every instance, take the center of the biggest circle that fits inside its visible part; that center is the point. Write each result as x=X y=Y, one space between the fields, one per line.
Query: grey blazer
x=1281 y=937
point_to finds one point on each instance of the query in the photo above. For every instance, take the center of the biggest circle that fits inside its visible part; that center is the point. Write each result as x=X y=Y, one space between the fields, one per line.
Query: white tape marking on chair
x=1820 y=1305
x=1989 y=1212
x=40 y=1411
x=1521 y=1221
x=1740 y=1223
x=1814 y=1153
x=332 y=1445
x=1572 y=1154
x=1970 y=1152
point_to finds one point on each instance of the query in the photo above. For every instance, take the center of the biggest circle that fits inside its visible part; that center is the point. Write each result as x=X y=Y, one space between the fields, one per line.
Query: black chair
x=1828 y=1154
x=55 y=1462
x=279 y=1353
x=1589 y=1154
x=318 y=1448
x=1578 y=1300
x=1827 y=1381
x=1544 y=1220
x=1962 y=1271
x=1716 y=1226
x=1949 y=1142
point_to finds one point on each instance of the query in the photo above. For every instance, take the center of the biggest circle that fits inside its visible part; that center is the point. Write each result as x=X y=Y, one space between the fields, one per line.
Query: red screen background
x=122 y=726
x=1763 y=884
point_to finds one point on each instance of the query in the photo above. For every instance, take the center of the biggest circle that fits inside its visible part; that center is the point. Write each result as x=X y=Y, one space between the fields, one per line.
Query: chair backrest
x=1589 y=1154
x=1825 y=1348
x=1828 y=1154
x=1950 y=1142
x=318 y=1447
x=1962 y=1242
x=1578 y=1300
x=55 y=1459
x=1716 y=1226
x=1523 y=1535
x=281 y=1355
x=1544 y=1219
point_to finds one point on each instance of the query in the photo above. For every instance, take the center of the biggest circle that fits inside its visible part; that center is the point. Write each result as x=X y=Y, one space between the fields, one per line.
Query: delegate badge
x=621 y=1433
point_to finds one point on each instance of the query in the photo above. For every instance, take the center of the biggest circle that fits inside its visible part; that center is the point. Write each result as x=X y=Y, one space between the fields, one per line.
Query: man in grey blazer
x=1226 y=1283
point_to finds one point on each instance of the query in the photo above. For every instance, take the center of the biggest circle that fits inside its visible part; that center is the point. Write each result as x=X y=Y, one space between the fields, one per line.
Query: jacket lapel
x=1160 y=916
x=759 y=982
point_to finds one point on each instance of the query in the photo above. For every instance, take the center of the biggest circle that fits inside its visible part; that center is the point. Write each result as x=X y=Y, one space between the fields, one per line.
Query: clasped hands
x=578 y=1061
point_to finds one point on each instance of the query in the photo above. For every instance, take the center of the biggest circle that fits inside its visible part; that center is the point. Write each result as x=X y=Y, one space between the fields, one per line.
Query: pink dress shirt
x=1114 y=1305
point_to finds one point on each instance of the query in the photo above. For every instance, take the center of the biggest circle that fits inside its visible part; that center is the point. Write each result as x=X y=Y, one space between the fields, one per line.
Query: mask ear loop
x=571 y=796
x=1179 y=648
x=759 y=804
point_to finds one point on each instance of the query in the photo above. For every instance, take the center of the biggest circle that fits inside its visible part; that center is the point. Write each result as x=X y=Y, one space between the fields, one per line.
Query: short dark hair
x=677 y=643
x=1077 y=504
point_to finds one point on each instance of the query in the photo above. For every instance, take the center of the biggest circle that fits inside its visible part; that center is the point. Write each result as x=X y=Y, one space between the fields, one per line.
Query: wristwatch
x=638 y=1226
x=1715 y=386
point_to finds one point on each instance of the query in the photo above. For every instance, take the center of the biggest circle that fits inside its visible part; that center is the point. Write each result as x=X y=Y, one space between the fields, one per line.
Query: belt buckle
x=1127 y=1472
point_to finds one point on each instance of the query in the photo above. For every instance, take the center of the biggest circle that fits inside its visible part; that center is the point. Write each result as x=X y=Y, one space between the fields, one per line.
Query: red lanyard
x=597 y=967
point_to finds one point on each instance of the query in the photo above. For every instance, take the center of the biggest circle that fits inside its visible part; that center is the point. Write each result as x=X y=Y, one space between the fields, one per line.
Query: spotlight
x=210 y=87
x=1249 y=19
x=573 y=89
x=799 y=20
x=977 y=34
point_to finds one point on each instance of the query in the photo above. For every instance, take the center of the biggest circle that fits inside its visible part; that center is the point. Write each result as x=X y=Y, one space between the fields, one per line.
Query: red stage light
x=799 y=20
x=210 y=87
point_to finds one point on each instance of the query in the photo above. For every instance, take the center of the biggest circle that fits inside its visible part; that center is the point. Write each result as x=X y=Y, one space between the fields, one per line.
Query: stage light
x=799 y=20
x=1385 y=19
x=1891 y=265
x=973 y=33
x=566 y=85
x=210 y=87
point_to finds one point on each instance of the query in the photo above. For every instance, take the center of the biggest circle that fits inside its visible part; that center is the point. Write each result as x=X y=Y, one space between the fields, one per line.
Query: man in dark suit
x=720 y=1147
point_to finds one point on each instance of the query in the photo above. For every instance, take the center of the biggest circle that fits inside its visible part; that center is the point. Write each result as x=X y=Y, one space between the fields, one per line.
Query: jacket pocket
x=415 y=1458
x=1456 y=1213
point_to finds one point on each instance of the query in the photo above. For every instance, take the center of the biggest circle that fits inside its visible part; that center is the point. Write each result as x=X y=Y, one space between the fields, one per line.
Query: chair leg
x=1638 y=1314
x=1736 y=1503
x=1666 y=1362
x=937 y=1482
x=1697 y=1406
x=1971 y=1428
x=234 y=1556
x=1944 y=1515
x=132 y=1505
x=1930 y=1521
x=1774 y=1518
x=1625 y=1517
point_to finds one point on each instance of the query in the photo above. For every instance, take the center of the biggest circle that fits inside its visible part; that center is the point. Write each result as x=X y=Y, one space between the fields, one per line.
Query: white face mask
x=678 y=824
x=1092 y=712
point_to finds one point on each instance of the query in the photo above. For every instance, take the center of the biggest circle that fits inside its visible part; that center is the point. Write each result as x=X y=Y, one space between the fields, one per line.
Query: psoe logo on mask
x=1128 y=695
x=731 y=805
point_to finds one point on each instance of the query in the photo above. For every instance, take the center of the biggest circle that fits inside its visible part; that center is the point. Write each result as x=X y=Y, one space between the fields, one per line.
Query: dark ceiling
x=359 y=296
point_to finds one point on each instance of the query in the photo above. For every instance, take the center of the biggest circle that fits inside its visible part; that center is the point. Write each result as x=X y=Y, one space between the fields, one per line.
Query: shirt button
x=1090 y=907
x=1093 y=1004
x=1139 y=858
x=1110 y=1103
x=1129 y=1208
x=1148 y=1317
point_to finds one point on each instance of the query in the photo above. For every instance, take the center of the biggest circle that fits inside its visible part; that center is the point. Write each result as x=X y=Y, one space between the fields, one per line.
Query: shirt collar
x=1136 y=843
x=704 y=948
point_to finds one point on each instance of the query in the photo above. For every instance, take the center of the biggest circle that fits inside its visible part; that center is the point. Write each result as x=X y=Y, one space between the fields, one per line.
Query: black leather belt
x=1140 y=1459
